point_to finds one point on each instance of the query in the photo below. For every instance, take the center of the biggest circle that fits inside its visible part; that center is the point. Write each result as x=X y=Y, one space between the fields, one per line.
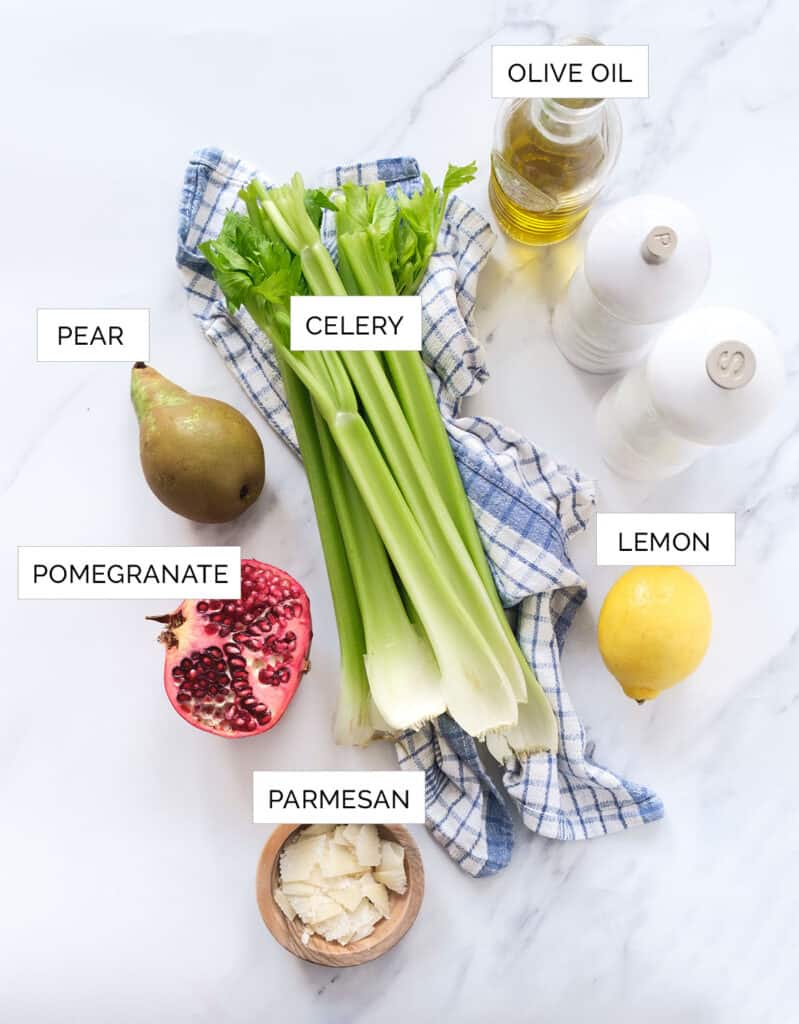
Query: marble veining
x=128 y=852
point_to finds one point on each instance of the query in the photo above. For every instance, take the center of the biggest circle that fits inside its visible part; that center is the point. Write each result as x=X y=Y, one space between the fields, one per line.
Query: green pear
x=201 y=457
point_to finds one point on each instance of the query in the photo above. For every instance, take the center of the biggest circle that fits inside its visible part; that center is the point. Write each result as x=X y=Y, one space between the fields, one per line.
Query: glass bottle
x=550 y=160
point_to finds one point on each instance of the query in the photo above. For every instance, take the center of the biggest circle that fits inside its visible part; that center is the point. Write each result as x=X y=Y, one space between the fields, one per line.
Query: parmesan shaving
x=335 y=879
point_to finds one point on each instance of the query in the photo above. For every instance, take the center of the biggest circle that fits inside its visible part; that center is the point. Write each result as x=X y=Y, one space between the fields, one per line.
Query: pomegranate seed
x=210 y=629
x=286 y=642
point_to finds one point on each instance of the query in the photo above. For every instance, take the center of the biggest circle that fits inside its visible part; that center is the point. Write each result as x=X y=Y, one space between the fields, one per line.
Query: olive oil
x=550 y=160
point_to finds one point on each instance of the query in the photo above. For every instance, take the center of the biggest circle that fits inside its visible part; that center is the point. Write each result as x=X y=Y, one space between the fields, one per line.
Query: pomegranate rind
x=232 y=667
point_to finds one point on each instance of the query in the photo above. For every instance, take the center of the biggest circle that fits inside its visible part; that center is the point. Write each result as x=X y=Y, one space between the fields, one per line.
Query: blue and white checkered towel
x=526 y=507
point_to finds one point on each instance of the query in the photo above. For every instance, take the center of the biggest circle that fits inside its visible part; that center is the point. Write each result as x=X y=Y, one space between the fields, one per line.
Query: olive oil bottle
x=550 y=160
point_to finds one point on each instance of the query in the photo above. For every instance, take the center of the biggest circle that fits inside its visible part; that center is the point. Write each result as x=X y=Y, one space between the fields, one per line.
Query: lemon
x=654 y=629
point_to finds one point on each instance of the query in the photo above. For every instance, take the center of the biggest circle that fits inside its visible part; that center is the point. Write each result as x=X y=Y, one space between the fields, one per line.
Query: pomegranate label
x=129 y=572
x=338 y=798
x=356 y=323
x=92 y=335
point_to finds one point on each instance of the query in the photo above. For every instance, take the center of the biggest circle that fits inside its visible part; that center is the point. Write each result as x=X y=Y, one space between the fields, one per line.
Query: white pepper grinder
x=712 y=376
x=646 y=261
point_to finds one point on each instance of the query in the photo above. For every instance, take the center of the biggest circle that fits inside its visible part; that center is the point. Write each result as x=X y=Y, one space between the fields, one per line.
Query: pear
x=201 y=457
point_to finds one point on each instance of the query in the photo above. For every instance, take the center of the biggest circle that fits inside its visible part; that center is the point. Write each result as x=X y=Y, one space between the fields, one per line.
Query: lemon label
x=665 y=538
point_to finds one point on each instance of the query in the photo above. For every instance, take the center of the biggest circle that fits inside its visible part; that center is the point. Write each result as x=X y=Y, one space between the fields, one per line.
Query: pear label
x=92 y=335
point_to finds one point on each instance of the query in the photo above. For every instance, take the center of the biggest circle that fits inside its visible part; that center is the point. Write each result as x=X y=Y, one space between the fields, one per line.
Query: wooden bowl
x=387 y=932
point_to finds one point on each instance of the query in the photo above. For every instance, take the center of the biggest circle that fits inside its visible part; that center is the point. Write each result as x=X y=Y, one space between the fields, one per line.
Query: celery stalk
x=353 y=725
x=403 y=676
x=256 y=273
x=536 y=729
x=477 y=691
x=369 y=266
x=421 y=492
x=253 y=261
x=286 y=207
x=476 y=688
x=366 y=263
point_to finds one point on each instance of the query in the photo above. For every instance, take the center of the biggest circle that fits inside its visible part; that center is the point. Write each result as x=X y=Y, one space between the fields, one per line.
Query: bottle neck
x=567 y=122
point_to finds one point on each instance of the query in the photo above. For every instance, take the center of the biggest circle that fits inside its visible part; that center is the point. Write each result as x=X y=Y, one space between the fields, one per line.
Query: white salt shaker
x=712 y=376
x=646 y=261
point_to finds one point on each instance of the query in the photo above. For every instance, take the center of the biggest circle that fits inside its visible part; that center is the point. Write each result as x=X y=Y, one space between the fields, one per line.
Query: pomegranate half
x=232 y=667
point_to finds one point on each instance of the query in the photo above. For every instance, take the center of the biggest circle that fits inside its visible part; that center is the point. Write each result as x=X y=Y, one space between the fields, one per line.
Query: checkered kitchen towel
x=526 y=507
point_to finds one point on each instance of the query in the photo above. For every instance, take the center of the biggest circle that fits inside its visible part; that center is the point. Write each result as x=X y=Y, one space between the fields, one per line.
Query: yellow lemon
x=654 y=629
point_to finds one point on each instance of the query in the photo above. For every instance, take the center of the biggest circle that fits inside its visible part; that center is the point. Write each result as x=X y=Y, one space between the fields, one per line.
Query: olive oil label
x=176 y=573
x=338 y=798
x=665 y=538
x=92 y=335
x=356 y=323
x=570 y=72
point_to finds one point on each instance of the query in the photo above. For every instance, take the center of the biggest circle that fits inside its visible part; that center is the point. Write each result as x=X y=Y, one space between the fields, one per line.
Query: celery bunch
x=421 y=628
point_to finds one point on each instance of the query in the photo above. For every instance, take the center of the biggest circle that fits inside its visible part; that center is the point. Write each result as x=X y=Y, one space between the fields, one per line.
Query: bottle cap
x=707 y=388
x=647 y=259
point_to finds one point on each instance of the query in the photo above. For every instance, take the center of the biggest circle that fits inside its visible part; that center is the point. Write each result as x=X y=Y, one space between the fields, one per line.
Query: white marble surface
x=126 y=892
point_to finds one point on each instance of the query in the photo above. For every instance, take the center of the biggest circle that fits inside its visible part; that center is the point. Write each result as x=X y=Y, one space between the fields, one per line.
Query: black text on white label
x=337 y=798
x=129 y=572
x=679 y=538
x=570 y=72
x=92 y=335
x=356 y=323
